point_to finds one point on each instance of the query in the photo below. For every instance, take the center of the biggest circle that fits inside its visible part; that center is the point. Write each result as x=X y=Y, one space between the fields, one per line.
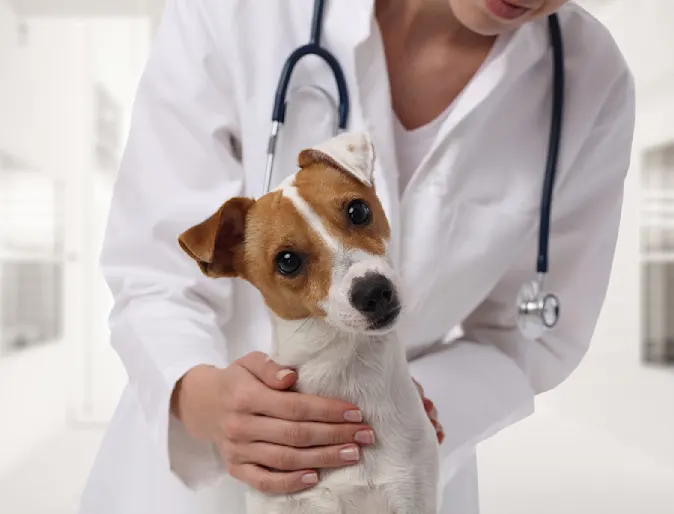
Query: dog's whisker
x=300 y=327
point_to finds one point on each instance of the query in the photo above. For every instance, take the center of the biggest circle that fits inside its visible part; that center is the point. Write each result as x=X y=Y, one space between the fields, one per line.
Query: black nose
x=375 y=296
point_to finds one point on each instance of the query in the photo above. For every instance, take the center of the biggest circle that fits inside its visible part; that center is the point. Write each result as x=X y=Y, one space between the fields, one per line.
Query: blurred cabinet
x=31 y=259
x=657 y=251
x=66 y=88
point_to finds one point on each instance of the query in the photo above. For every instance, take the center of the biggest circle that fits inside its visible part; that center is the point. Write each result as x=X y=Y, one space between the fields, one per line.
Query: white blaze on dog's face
x=314 y=247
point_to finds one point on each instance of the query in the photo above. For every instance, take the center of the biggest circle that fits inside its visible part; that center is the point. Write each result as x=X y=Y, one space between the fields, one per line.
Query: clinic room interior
x=602 y=442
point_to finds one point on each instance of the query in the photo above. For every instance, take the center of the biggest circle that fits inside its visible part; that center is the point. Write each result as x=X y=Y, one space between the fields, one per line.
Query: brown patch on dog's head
x=329 y=191
x=244 y=238
x=276 y=229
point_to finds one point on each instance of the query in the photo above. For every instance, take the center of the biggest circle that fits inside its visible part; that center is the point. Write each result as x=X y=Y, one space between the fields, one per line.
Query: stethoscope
x=537 y=310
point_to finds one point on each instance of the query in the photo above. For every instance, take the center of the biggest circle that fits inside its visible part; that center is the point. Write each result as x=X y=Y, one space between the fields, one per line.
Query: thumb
x=272 y=374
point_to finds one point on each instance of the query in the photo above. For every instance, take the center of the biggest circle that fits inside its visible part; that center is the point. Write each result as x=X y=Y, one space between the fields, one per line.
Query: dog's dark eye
x=288 y=263
x=359 y=212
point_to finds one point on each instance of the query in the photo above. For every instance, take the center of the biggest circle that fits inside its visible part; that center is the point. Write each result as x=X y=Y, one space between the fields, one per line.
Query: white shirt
x=464 y=231
x=413 y=145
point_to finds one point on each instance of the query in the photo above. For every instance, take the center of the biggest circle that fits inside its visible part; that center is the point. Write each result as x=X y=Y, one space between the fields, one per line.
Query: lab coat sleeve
x=487 y=379
x=179 y=166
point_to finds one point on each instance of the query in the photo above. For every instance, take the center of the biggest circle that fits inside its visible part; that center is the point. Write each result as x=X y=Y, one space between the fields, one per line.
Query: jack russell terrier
x=316 y=249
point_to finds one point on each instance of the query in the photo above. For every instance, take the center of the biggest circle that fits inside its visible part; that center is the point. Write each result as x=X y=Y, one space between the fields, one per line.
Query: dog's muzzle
x=375 y=296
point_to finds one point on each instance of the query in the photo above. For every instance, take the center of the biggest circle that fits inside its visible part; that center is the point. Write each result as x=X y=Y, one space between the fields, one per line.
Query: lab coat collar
x=357 y=15
x=511 y=56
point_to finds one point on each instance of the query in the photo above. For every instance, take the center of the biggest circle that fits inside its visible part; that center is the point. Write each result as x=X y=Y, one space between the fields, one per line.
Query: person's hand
x=432 y=413
x=270 y=438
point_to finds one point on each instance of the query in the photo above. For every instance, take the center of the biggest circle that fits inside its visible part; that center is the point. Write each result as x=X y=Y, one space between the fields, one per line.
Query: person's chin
x=476 y=18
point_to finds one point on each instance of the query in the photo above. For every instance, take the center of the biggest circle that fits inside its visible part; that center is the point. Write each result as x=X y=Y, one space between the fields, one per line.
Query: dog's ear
x=216 y=244
x=352 y=152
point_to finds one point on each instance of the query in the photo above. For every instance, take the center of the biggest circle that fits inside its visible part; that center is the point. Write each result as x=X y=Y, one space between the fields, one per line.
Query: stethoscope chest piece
x=537 y=311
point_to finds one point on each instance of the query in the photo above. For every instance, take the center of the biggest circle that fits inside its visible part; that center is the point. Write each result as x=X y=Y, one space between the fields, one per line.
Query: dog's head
x=314 y=247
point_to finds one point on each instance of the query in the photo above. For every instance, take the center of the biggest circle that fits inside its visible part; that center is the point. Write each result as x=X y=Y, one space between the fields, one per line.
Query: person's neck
x=418 y=23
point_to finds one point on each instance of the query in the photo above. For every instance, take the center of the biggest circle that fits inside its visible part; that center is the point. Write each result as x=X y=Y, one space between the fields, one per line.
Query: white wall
x=118 y=48
x=42 y=123
x=46 y=101
x=612 y=389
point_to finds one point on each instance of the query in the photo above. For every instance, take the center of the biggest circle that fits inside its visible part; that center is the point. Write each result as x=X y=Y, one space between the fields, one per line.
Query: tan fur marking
x=328 y=191
x=242 y=239
x=275 y=225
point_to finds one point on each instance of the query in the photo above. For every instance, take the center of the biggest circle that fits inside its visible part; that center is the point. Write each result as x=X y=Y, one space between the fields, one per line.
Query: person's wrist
x=194 y=379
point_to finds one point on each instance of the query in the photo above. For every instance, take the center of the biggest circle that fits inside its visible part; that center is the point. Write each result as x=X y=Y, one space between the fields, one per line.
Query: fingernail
x=364 y=437
x=353 y=416
x=283 y=373
x=349 y=454
x=310 y=478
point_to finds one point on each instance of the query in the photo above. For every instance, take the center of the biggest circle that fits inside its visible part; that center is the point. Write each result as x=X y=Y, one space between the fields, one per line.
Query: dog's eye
x=359 y=212
x=288 y=263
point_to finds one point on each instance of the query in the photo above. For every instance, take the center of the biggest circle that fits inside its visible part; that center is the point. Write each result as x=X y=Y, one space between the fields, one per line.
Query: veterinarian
x=456 y=95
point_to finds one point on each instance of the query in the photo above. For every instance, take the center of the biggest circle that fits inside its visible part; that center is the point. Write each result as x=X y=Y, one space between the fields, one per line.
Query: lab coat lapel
x=512 y=55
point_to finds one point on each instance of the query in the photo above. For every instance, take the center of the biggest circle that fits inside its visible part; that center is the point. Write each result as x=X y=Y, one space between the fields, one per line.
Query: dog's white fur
x=353 y=152
x=338 y=357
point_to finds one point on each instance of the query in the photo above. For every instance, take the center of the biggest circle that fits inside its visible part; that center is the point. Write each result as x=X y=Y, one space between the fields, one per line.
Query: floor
x=548 y=464
x=58 y=471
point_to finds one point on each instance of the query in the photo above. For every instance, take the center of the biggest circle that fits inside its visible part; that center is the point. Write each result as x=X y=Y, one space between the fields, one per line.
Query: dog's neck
x=296 y=342
x=368 y=370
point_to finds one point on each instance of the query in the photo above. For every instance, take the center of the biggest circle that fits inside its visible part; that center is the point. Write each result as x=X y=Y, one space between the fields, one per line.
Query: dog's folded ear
x=216 y=244
x=352 y=152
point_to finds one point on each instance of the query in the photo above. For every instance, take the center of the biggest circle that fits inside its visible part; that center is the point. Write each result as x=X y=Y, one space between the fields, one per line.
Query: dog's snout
x=374 y=295
x=371 y=293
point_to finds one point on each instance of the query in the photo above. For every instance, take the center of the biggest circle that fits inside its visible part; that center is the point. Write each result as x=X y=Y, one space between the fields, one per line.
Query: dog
x=316 y=250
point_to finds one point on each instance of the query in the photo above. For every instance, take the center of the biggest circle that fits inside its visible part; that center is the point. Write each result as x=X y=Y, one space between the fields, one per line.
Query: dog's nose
x=375 y=296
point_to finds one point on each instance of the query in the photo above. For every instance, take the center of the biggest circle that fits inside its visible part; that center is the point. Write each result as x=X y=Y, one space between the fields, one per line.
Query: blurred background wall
x=602 y=442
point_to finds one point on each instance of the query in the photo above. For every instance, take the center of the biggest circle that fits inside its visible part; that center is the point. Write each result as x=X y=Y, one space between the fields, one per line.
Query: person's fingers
x=293 y=406
x=284 y=458
x=273 y=482
x=430 y=408
x=297 y=434
x=439 y=431
x=270 y=373
x=441 y=437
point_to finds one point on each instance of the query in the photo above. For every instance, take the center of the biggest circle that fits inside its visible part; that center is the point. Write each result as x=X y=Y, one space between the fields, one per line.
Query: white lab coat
x=464 y=231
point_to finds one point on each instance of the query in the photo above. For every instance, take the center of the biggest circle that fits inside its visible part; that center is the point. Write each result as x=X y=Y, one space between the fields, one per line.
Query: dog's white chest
x=396 y=475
